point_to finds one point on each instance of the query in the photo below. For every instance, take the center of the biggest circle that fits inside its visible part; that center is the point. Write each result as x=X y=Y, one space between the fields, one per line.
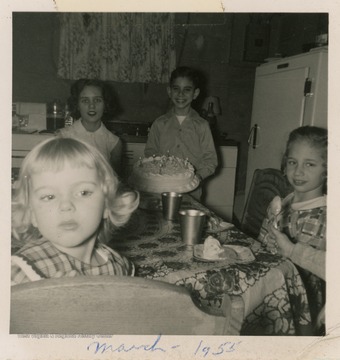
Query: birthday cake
x=159 y=174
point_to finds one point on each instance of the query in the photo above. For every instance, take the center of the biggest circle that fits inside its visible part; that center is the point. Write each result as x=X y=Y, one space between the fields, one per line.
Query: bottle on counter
x=68 y=118
x=55 y=115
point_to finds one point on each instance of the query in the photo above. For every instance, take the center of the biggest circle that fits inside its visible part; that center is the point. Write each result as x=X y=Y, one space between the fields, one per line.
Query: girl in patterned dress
x=299 y=232
x=66 y=204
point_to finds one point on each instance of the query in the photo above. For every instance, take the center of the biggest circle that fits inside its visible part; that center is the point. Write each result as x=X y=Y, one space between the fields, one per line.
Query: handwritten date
x=201 y=349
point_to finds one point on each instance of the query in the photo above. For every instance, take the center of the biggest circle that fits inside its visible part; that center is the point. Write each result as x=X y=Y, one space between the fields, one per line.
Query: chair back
x=266 y=184
x=115 y=305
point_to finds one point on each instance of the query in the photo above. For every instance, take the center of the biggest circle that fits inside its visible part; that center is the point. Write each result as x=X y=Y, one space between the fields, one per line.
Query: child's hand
x=274 y=211
x=270 y=244
x=280 y=241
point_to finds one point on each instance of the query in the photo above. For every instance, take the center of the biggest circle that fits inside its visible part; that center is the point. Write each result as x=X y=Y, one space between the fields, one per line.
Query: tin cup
x=171 y=203
x=192 y=224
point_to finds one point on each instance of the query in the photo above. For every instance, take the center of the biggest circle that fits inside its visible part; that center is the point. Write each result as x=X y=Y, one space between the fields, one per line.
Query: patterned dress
x=39 y=259
x=305 y=225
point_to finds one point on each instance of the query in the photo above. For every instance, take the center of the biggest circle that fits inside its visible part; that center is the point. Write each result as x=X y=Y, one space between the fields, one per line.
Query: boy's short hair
x=185 y=71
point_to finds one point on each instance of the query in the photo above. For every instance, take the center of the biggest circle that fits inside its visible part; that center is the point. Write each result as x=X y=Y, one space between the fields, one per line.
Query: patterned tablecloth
x=271 y=287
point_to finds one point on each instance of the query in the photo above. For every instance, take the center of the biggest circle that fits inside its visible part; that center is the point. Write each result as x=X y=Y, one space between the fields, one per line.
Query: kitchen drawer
x=17 y=157
x=220 y=189
x=131 y=154
x=133 y=151
x=228 y=156
x=22 y=144
x=28 y=141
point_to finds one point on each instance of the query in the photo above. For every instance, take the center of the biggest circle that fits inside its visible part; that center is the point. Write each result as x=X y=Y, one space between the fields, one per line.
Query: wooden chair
x=266 y=184
x=115 y=305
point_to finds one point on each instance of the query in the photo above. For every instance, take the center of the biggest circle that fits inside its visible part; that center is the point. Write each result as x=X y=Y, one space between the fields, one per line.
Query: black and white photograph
x=170 y=183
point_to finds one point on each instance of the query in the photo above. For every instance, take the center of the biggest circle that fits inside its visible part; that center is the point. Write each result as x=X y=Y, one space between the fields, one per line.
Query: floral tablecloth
x=271 y=287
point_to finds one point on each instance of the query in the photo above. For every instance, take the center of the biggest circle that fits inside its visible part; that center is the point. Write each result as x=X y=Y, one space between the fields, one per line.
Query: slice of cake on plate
x=213 y=250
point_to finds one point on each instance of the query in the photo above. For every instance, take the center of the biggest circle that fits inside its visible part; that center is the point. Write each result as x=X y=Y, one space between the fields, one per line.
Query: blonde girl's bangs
x=52 y=155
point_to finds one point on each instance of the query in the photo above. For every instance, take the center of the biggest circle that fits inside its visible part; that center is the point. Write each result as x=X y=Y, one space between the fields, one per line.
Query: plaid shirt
x=192 y=139
x=39 y=259
x=305 y=225
x=303 y=222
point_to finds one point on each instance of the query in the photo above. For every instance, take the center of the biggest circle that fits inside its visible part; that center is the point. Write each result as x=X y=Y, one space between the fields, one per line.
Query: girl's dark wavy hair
x=317 y=137
x=107 y=92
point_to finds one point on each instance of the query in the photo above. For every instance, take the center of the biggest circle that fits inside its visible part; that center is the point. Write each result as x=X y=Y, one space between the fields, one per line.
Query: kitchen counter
x=220 y=141
x=124 y=137
x=134 y=138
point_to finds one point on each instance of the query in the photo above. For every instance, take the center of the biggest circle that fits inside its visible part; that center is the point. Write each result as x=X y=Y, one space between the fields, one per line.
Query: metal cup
x=192 y=224
x=171 y=203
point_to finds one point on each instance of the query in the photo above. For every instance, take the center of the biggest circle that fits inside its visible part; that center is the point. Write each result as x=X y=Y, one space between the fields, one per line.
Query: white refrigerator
x=288 y=93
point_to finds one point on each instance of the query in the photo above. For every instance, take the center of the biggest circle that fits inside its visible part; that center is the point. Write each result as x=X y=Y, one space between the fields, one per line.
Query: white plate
x=234 y=254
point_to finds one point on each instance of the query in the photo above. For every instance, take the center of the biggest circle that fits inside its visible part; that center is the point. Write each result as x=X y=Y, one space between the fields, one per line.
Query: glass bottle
x=68 y=118
x=211 y=118
x=55 y=115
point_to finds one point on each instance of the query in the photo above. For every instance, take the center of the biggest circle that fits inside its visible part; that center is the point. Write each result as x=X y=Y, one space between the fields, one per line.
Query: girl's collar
x=82 y=123
x=307 y=205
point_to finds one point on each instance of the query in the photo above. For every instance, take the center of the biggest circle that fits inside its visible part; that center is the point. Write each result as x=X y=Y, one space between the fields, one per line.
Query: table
x=272 y=290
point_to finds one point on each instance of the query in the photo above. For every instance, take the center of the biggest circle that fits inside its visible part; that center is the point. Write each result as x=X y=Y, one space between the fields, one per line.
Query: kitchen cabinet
x=131 y=153
x=22 y=144
x=219 y=190
x=288 y=93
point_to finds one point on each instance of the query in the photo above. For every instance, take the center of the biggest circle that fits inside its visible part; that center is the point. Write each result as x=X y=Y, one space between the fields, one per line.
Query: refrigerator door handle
x=307 y=91
x=253 y=136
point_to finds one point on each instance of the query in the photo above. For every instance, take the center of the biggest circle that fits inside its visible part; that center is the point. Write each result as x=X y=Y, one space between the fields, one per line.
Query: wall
x=214 y=43
x=208 y=45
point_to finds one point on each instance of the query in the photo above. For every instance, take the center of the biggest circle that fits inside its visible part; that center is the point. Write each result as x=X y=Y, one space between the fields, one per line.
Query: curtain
x=125 y=47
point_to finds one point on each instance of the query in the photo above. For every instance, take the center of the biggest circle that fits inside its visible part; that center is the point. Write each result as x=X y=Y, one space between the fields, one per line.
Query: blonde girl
x=66 y=204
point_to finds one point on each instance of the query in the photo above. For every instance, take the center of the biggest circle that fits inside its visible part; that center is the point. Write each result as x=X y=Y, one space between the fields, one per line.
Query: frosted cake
x=159 y=174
